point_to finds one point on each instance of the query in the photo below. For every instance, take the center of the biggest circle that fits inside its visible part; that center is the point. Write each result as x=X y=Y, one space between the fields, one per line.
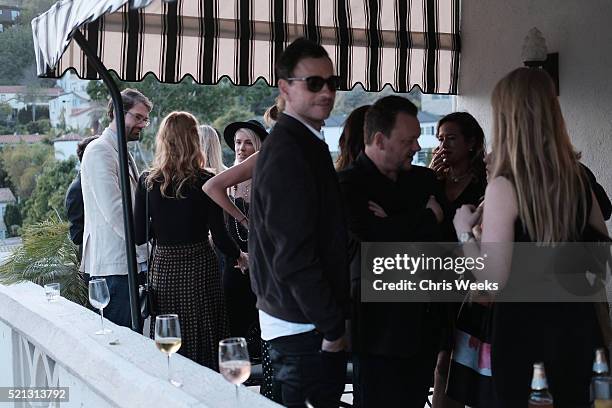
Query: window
x=423 y=157
x=14 y=14
x=1 y=28
x=428 y=130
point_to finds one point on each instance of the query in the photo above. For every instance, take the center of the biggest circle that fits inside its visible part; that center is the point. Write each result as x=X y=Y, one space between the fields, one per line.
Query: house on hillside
x=332 y=130
x=14 y=96
x=73 y=108
x=6 y=140
x=66 y=145
x=20 y=97
x=438 y=104
x=9 y=11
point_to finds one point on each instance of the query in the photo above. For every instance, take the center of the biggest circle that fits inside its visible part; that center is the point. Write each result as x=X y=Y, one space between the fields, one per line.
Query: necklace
x=457 y=179
x=243 y=209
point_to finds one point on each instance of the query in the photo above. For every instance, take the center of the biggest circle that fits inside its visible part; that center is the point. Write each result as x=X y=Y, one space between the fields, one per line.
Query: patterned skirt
x=185 y=280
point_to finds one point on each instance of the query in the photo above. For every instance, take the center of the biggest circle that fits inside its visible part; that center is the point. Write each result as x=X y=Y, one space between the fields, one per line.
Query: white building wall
x=53 y=344
x=65 y=149
x=492 y=38
x=332 y=137
x=13 y=100
x=57 y=106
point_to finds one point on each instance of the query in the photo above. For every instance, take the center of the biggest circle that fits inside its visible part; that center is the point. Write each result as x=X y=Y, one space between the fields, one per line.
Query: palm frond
x=47 y=255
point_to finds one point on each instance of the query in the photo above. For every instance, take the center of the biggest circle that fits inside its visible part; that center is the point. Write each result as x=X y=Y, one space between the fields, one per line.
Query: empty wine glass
x=234 y=363
x=99 y=298
x=52 y=291
x=168 y=338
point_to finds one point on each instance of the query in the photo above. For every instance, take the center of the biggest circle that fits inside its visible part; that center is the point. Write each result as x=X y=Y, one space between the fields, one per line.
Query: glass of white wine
x=168 y=339
x=234 y=363
x=99 y=298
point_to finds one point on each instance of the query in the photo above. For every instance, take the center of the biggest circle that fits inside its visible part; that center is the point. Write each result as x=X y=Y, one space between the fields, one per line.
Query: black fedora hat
x=232 y=128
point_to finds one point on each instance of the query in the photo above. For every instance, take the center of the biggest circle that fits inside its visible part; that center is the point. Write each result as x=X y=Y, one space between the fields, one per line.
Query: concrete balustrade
x=52 y=344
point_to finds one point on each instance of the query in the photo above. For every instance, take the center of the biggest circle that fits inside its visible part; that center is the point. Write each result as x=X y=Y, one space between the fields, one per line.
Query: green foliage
x=17 y=52
x=233 y=114
x=27 y=115
x=347 y=101
x=6 y=111
x=12 y=218
x=48 y=196
x=47 y=255
x=23 y=163
x=32 y=8
x=41 y=126
x=17 y=59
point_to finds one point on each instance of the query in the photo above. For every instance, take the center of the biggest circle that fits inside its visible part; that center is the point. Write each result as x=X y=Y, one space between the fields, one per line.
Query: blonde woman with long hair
x=539 y=193
x=184 y=275
x=211 y=148
x=221 y=189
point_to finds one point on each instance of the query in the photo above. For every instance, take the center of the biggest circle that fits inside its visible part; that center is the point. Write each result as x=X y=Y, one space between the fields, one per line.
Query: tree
x=48 y=196
x=14 y=41
x=47 y=255
x=347 y=101
x=41 y=126
x=23 y=163
x=233 y=114
x=12 y=218
x=6 y=113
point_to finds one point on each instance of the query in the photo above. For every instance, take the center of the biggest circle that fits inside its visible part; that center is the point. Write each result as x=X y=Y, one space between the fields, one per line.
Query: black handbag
x=144 y=290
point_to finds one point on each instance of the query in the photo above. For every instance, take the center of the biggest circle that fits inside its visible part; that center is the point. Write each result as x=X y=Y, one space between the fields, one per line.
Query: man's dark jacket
x=391 y=329
x=298 y=234
x=75 y=210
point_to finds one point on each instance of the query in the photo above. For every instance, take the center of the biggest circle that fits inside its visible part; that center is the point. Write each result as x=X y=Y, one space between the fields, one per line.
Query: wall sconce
x=535 y=55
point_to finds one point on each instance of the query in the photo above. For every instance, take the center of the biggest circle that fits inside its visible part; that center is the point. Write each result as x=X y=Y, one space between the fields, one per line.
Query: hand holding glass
x=168 y=338
x=234 y=362
x=99 y=298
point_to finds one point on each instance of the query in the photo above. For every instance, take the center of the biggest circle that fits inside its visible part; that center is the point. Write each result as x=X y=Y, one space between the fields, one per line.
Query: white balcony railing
x=53 y=344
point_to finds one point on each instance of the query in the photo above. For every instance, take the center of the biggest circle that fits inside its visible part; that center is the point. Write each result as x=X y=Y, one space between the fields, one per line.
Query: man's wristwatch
x=466 y=237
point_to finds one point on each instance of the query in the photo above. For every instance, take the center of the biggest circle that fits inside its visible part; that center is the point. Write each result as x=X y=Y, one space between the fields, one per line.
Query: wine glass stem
x=102 y=318
x=237 y=396
x=169 y=375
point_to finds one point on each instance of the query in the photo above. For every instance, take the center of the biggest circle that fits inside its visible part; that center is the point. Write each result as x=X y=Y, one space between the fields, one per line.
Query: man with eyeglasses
x=298 y=236
x=104 y=252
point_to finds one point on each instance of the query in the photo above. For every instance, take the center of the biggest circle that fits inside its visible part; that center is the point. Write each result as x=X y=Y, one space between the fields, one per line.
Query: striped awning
x=405 y=43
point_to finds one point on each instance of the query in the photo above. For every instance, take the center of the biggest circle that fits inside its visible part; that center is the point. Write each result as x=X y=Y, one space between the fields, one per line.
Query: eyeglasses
x=139 y=118
x=315 y=83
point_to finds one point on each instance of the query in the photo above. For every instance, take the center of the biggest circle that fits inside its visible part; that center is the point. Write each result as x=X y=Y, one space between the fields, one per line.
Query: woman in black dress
x=245 y=138
x=537 y=192
x=459 y=163
x=184 y=275
x=219 y=188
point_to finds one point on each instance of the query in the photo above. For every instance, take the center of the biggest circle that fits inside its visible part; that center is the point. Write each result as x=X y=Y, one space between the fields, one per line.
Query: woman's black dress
x=184 y=275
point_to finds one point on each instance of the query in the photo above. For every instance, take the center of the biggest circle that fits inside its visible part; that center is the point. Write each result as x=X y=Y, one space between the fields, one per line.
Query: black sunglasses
x=315 y=83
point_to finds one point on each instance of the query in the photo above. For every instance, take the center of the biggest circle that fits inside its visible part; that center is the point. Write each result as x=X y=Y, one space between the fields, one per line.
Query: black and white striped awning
x=404 y=43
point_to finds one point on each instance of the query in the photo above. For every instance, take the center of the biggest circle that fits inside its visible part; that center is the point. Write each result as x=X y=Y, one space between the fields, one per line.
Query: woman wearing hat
x=221 y=190
x=245 y=138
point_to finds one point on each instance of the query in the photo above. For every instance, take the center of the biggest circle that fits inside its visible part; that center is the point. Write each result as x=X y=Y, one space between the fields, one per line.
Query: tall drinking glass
x=168 y=339
x=99 y=298
x=234 y=363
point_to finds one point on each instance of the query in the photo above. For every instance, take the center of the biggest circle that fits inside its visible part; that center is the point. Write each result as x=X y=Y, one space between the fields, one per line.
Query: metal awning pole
x=123 y=176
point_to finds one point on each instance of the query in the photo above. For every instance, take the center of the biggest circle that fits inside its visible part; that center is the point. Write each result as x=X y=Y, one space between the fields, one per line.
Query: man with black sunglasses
x=298 y=236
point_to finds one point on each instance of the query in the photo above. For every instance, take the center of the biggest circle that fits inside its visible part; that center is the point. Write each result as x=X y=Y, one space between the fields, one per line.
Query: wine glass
x=99 y=298
x=168 y=338
x=52 y=291
x=234 y=363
